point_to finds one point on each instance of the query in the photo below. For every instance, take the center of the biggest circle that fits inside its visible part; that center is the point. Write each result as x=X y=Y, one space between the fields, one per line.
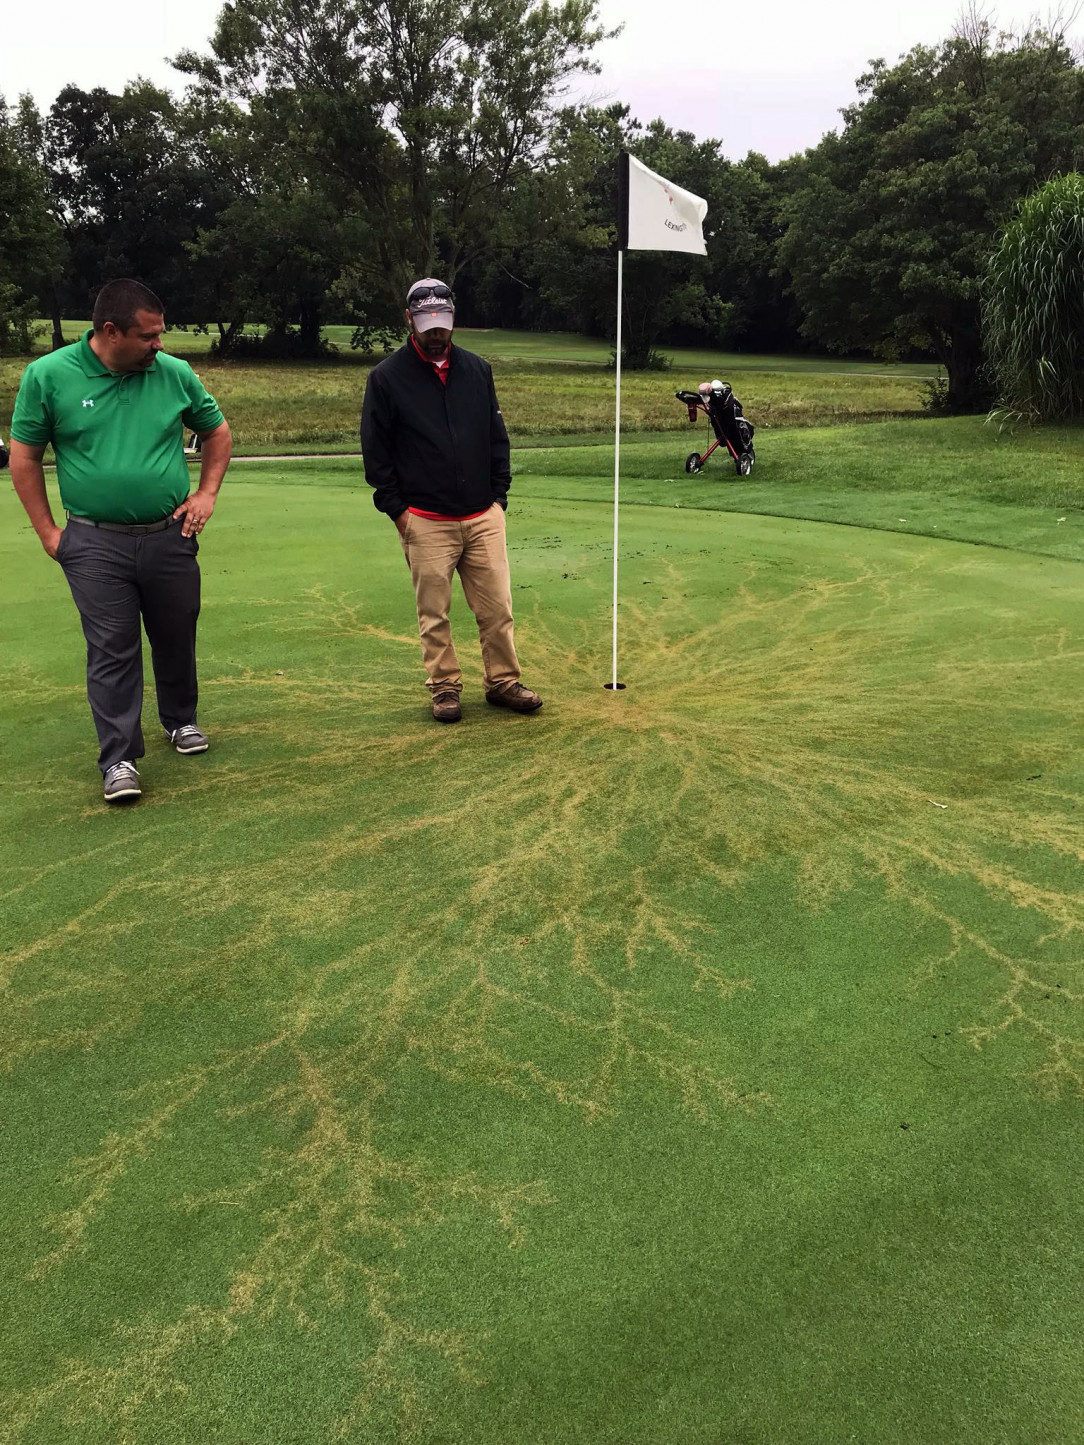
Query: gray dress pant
x=115 y=579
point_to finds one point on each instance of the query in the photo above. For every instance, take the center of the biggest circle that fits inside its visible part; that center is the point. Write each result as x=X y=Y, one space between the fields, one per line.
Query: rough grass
x=499 y=344
x=548 y=386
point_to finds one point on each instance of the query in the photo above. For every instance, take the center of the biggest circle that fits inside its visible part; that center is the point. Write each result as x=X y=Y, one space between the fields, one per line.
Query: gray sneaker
x=189 y=739
x=121 y=782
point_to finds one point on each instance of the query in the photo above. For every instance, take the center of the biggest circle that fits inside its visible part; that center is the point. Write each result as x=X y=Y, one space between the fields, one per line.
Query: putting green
x=698 y=1065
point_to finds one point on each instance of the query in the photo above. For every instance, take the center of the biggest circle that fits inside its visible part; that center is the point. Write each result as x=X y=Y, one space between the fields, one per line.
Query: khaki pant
x=477 y=551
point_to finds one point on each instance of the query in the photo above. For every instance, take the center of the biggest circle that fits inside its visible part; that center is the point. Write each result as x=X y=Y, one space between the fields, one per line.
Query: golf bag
x=5 y=455
x=724 y=411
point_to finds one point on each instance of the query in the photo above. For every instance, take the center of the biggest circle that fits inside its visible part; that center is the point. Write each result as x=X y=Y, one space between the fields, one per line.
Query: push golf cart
x=724 y=411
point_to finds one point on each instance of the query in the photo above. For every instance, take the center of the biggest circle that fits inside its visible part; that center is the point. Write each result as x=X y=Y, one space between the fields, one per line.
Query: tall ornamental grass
x=1033 y=308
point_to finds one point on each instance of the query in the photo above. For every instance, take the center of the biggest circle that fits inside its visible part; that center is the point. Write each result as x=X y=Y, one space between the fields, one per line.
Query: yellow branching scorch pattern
x=509 y=917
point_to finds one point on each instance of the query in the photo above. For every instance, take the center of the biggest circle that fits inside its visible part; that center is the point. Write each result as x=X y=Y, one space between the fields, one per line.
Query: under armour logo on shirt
x=88 y=401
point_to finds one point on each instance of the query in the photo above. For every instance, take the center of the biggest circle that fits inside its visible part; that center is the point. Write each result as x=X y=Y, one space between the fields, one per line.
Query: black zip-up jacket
x=438 y=446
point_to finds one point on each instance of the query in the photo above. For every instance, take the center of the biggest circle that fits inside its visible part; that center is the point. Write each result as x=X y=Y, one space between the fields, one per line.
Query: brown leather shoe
x=517 y=697
x=446 y=706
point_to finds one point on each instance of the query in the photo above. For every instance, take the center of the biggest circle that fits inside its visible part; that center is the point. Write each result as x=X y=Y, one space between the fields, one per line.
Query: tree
x=891 y=222
x=421 y=115
x=280 y=255
x=1033 y=307
x=282 y=249
x=566 y=258
x=131 y=190
x=767 y=317
x=30 y=244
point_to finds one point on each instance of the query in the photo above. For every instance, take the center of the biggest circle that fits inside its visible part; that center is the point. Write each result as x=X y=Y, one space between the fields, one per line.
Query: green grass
x=549 y=385
x=956 y=478
x=502 y=344
x=697 y=1065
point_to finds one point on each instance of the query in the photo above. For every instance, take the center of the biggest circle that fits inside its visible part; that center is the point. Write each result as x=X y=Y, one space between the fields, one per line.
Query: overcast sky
x=766 y=75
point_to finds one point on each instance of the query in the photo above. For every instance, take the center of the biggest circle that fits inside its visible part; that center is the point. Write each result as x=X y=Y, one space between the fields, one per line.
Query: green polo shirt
x=118 y=436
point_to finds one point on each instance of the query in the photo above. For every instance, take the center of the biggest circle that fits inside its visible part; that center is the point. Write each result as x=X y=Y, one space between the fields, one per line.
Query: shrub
x=650 y=360
x=18 y=333
x=275 y=345
x=1033 y=308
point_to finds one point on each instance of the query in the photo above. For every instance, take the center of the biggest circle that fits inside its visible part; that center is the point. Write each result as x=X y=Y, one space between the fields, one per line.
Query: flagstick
x=667 y=218
x=617 y=453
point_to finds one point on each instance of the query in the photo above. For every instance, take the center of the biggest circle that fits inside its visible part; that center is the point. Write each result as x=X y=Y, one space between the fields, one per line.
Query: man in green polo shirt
x=115 y=407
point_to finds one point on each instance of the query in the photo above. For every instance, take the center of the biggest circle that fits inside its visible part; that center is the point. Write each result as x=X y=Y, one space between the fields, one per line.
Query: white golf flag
x=652 y=215
x=656 y=215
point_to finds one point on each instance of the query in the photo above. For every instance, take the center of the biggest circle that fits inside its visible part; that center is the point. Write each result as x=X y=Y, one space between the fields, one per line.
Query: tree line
x=323 y=154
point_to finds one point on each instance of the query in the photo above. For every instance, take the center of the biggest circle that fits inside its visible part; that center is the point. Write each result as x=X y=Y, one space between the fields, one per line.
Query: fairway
x=697 y=1065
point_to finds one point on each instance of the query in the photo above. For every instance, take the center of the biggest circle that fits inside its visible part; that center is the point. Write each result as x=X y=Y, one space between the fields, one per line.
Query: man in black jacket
x=436 y=455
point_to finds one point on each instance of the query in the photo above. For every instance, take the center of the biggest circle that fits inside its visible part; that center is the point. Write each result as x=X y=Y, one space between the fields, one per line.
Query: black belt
x=133 y=529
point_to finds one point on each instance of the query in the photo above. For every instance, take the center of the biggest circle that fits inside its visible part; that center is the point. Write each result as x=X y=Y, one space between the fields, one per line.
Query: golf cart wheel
x=692 y=463
x=745 y=463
